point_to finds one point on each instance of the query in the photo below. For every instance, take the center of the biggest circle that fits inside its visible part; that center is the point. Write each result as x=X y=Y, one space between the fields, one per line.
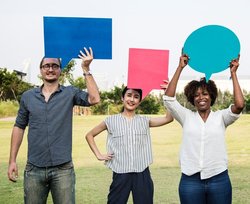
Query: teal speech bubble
x=211 y=48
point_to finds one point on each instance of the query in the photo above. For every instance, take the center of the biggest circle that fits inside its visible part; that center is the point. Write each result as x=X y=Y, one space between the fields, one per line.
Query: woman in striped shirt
x=129 y=150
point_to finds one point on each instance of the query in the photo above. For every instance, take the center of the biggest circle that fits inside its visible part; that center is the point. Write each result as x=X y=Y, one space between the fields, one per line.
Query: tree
x=115 y=95
x=66 y=74
x=149 y=105
x=80 y=83
x=111 y=103
x=11 y=87
x=247 y=102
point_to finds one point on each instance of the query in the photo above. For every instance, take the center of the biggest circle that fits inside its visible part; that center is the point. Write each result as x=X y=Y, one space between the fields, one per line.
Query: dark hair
x=126 y=88
x=192 y=87
x=59 y=60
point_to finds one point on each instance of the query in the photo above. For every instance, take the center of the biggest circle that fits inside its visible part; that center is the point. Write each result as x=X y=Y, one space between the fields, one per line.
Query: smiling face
x=50 y=69
x=131 y=99
x=202 y=100
x=195 y=90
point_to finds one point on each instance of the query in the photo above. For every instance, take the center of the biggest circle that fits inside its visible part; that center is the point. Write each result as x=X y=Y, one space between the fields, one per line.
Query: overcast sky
x=158 y=24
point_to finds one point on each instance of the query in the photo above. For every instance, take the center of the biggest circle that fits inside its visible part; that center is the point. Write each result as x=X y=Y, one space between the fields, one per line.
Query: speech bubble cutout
x=147 y=68
x=64 y=37
x=211 y=48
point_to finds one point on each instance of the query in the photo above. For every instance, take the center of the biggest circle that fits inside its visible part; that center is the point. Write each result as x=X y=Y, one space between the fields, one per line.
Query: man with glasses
x=47 y=111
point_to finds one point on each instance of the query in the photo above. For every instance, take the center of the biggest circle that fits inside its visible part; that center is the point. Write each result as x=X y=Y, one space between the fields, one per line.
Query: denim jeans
x=214 y=190
x=39 y=181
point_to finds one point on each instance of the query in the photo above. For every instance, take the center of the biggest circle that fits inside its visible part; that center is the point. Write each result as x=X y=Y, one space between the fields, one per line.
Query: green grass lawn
x=93 y=178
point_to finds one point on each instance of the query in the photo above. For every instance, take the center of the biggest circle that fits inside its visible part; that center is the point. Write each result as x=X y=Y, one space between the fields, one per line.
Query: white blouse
x=203 y=146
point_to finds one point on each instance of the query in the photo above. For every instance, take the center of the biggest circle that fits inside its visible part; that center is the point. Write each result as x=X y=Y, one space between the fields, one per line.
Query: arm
x=94 y=96
x=171 y=87
x=238 y=105
x=16 y=140
x=156 y=122
x=90 y=139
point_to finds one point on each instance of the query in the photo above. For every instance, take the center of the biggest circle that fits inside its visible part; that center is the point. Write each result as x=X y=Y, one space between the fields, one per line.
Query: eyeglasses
x=53 y=66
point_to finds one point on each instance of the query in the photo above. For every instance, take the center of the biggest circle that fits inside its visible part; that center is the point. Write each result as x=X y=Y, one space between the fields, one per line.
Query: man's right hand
x=13 y=172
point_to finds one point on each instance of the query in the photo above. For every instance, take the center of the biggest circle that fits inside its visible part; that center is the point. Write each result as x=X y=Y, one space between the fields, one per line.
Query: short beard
x=50 y=80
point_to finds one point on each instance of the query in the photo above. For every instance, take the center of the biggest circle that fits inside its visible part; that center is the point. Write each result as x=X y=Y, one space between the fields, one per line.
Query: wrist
x=86 y=73
x=233 y=73
x=85 y=68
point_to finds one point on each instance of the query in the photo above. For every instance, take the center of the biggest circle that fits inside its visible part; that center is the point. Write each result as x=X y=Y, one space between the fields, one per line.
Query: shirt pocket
x=141 y=137
x=118 y=136
x=116 y=142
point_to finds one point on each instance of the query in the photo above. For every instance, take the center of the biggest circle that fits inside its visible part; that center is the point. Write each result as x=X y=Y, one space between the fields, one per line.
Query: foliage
x=66 y=74
x=115 y=95
x=150 y=105
x=247 y=103
x=11 y=87
x=224 y=99
x=183 y=101
x=111 y=103
x=79 y=83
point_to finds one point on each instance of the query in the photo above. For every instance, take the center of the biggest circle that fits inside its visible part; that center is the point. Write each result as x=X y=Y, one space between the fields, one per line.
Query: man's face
x=50 y=69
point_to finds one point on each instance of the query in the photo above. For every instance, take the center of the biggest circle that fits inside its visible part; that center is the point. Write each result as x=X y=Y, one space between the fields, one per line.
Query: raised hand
x=86 y=57
x=234 y=64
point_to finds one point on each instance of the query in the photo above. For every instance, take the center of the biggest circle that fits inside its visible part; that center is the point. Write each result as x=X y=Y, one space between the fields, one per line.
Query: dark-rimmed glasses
x=53 y=66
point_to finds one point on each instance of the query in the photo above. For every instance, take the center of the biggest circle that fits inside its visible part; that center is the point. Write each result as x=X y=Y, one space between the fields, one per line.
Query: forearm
x=92 y=145
x=92 y=88
x=16 y=140
x=159 y=121
x=170 y=91
x=238 y=95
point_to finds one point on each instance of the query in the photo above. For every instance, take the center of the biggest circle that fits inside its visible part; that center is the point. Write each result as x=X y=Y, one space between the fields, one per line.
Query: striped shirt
x=130 y=142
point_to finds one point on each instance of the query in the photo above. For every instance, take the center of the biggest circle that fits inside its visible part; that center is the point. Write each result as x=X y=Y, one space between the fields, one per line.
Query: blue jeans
x=214 y=190
x=60 y=180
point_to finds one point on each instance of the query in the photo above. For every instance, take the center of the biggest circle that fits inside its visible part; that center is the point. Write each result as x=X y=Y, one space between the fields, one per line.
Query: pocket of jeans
x=28 y=167
x=68 y=165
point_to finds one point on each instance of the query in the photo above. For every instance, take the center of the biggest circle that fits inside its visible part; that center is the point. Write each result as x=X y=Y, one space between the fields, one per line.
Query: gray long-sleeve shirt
x=50 y=124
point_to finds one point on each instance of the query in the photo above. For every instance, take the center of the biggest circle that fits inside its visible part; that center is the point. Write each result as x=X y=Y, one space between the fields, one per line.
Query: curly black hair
x=193 y=85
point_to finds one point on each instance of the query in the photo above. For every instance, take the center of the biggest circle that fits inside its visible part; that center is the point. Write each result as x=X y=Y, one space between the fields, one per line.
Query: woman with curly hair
x=203 y=156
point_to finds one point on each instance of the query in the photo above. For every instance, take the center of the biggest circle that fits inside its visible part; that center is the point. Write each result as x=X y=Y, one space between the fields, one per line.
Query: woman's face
x=131 y=99
x=202 y=99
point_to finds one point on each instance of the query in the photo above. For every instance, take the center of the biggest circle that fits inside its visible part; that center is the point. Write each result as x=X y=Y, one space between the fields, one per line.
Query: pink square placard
x=147 y=68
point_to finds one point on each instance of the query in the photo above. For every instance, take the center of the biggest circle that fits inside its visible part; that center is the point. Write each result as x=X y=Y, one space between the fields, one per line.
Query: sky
x=158 y=24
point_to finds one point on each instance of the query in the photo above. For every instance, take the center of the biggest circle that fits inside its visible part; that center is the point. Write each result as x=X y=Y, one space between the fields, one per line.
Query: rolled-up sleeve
x=80 y=97
x=22 y=118
x=229 y=117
